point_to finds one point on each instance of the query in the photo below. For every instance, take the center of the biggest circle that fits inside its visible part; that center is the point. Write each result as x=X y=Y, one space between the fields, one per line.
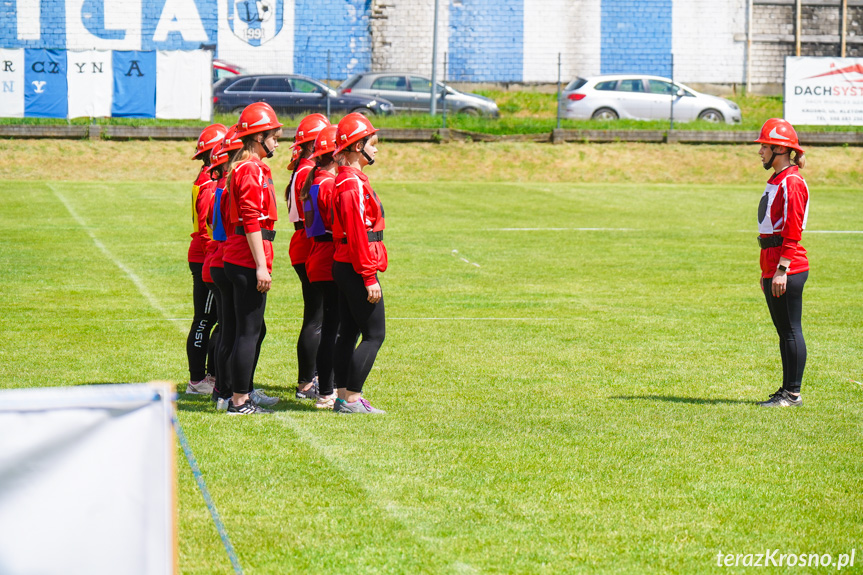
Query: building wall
x=484 y=40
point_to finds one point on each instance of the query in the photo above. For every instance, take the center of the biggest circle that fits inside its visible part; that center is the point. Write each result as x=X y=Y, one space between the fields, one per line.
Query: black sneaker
x=248 y=408
x=782 y=399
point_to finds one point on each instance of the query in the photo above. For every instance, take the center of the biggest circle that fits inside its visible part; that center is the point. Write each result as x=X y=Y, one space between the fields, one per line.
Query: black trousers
x=198 y=342
x=310 y=332
x=248 y=307
x=357 y=316
x=329 y=294
x=215 y=340
x=786 y=312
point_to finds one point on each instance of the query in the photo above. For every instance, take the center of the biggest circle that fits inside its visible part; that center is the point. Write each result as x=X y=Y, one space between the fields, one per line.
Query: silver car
x=412 y=93
x=640 y=97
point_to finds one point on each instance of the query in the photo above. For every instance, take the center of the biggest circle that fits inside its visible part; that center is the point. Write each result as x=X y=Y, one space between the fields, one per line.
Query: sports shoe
x=203 y=387
x=248 y=408
x=310 y=393
x=359 y=406
x=222 y=404
x=326 y=401
x=782 y=399
x=262 y=398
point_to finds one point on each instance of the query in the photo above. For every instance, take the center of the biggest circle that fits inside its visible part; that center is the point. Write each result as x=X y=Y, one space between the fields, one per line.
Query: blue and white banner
x=98 y=83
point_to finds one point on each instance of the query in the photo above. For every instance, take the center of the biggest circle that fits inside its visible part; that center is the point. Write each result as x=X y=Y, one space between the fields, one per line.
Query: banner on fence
x=37 y=83
x=824 y=91
x=88 y=480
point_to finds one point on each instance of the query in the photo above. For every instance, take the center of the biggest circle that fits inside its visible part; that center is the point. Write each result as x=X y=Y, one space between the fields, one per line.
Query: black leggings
x=310 y=333
x=250 y=329
x=786 y=312
x=198 y=342
x=215 y=339
x=329 y=295
x=357 y=316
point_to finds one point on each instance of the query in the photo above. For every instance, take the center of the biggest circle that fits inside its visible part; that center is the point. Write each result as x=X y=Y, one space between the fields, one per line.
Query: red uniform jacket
x=319 y=265
x=300 y=244
x=215 y=248
x=252 y=205
x=202 y=195
x=783 y=211
x=358 y=211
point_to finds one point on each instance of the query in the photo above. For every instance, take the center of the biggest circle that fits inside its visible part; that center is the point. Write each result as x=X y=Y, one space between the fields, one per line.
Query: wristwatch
x=782 y=268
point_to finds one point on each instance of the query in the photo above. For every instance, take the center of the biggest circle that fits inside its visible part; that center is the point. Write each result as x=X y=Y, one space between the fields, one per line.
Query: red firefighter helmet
x=310 y=127
x=778 y=132
x=209 y=138
x=353 y=128
x=257 y=117
x=325 y=143
x=222 y=151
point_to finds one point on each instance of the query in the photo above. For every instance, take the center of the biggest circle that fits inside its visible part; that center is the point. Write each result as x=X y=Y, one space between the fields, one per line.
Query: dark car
x=291 y=95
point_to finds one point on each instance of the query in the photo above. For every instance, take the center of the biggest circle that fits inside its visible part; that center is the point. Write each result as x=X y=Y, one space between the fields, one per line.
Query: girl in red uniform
x=358 y=230
x=782 y=215
x=220 y=163
x=317 y=198
x=198 y=342
x=301 y=244
x=248 y=252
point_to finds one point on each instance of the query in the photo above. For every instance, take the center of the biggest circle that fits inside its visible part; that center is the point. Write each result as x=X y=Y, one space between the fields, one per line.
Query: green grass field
x=560 y=399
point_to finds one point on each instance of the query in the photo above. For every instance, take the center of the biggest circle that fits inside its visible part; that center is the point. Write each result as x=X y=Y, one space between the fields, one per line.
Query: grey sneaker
x=262 y=398
x=360 y=406
x=203 y=387
x=782 y=399
x=310 y=393
x=248 y=408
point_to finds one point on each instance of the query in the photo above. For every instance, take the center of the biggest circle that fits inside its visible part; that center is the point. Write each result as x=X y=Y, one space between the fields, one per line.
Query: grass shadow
x=202 y=404
x=678 y=399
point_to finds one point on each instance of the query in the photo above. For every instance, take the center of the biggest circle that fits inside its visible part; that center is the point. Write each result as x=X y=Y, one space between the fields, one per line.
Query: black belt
x=328 y=237
x=298 y=226
x=770 y=242
x=268 y=235
x=373 y=237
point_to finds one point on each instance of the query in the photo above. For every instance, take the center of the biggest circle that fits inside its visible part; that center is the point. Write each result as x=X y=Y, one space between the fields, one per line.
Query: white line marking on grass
x=465 y=260
x=344 y=465
x=812 y=231
x=129 y=273
x=561 y=230
x=857 y=382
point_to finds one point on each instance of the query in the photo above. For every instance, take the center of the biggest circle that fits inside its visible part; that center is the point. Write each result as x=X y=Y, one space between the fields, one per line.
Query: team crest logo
x=256 y=21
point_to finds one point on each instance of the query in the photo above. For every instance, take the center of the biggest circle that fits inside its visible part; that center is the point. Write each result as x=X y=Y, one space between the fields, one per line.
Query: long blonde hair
x=799 y=159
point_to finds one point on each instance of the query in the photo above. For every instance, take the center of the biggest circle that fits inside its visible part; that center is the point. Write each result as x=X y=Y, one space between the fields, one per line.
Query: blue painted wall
x=52 y=22
x=636 y=37
x=340 y=26
x=486 y=42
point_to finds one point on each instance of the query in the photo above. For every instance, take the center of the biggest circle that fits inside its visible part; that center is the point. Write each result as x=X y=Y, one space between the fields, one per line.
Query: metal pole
x=798 y=27
x=328 y=83
x=844 y=27
x=443 y=100
x=749 y=49
x=558 y=90
x=433 y=108
x=673 y=93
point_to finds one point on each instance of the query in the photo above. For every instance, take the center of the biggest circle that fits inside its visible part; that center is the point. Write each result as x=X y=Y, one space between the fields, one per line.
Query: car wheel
x=712 y=116
x=469 y=111
x=604 y=114
x=363 y=111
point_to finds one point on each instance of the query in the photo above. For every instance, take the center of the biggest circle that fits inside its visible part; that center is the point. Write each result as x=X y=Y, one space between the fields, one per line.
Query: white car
x=640 y=97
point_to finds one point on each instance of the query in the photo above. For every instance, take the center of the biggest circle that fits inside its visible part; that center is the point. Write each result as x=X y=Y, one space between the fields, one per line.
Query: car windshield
x=576 y=84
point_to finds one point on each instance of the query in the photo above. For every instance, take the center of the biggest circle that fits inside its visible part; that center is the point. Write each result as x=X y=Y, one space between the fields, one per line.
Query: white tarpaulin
x=91 y=83
x=87 y=481
x=11 y=83
x=824 y=91
x=184 y=84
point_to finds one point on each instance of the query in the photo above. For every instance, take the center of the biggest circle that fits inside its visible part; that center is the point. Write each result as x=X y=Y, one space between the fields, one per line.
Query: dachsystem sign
x=824 y=91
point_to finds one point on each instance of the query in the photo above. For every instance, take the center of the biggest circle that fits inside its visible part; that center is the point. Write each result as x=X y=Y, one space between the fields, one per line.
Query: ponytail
x=320 y=162
x=304 y=149
x=799 y=159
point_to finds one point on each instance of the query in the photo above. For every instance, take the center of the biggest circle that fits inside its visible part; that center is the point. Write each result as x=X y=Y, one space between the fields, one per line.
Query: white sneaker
x=222 y=404
x=262 y=398
x=326 y=401
x=203 y=387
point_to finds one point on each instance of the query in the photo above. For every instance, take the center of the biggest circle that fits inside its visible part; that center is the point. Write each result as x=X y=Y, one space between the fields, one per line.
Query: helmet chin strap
x=268 y=151
x=368 y=158
x=769 y=164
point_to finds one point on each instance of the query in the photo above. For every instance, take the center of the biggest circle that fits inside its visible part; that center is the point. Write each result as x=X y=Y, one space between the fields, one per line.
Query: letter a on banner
x=134 y=85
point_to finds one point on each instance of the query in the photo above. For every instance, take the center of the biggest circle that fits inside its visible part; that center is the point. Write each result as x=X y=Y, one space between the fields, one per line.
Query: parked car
x=639 y=97
x=412 y=93
x=290 y=94
x=222 y=69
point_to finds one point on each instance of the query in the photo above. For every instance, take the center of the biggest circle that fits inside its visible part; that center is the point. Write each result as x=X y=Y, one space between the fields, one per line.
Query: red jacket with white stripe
x=301 y=245
x=202 y=196
x=358 y=211
x=252 y=206
x=783 y=211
